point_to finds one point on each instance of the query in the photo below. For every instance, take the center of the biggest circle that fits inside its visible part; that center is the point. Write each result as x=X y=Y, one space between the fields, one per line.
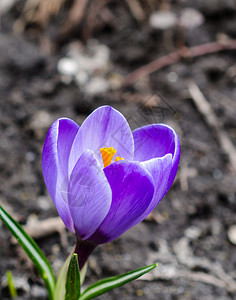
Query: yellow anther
x=118 y=158
x=107 y=155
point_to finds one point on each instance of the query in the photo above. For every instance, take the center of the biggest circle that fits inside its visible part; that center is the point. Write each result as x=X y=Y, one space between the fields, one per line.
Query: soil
x=188 y=232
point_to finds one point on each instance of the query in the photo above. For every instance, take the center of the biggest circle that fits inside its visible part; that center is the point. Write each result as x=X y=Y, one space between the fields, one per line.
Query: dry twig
x=136 y=10
x=76 y=14
x=188 y=275
x=42 y=228
x=37 y=11
x=174 y=57
x=184 y=174
x=181 y=265
x=205 y=109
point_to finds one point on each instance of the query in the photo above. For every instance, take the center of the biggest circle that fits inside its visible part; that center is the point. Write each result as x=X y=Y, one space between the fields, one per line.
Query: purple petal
x=89 y=195
x=157 y=140
x=132 y=191
x=160 y=169
x=105 y=127
x=55 y=157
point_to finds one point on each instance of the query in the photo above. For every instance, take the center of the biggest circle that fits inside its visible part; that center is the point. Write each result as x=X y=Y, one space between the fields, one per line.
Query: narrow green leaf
x=11 y=285
x=110 y=283
x=32 y=250
x=73 y=279
x=60 y=289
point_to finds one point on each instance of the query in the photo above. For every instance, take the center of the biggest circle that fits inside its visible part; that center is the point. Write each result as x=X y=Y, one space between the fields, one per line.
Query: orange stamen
x=118 y=158
x=107 y=155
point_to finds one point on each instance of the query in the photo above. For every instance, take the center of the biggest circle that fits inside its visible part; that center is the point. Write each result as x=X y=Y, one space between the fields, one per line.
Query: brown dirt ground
x=188 y=232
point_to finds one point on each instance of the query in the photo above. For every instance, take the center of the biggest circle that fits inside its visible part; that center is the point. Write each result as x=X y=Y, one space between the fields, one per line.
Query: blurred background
x=171 y=62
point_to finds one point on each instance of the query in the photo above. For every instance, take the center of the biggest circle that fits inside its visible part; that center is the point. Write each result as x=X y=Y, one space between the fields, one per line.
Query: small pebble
x=41 y=120
x=87 y=65
x=67 y=66
x=30 y=156
x=232 y=234
x=38 y=292
x=172 y=77
x=44 y=203
x=193 y=232
x=162 y=20
x=96 y=85
x=191 y=18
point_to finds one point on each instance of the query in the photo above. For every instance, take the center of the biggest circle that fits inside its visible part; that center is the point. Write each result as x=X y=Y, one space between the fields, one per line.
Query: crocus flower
x=104 y=178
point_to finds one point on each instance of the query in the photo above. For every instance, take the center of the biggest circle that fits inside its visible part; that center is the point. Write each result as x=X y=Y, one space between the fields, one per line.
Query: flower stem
x=83 y=250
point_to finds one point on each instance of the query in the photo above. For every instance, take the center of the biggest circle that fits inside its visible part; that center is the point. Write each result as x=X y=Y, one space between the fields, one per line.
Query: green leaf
x=32 y=250
x=11 y=285
x=110 y=283
x=61 y=280
x=73 y=279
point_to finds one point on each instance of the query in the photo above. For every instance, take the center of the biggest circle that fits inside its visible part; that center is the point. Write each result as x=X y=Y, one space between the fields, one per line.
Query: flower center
x=108 y=154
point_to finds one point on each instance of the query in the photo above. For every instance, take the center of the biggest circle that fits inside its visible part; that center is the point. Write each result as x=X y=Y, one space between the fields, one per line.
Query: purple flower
x=103 y=178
